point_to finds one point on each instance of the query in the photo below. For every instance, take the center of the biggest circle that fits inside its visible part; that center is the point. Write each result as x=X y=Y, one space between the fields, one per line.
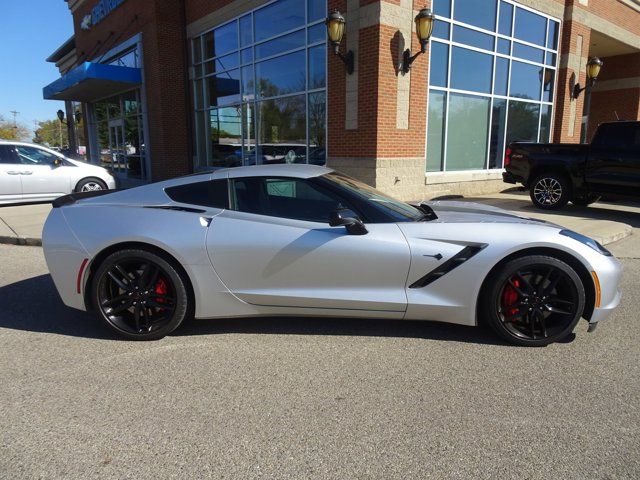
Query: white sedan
x=32 y=173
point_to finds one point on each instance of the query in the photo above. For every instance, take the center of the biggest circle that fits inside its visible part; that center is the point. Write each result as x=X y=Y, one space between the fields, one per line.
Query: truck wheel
x=549 y=191
x=585 y=200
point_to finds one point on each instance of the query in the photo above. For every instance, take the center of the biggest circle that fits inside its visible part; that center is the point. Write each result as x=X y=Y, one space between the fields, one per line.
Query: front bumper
x=609 y=272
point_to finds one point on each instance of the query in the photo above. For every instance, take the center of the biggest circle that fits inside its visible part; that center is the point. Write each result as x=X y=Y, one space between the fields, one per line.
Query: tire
x=585 y=200
x=91 y=185
x=549 y=191
x=532 y=301
x=140 y=295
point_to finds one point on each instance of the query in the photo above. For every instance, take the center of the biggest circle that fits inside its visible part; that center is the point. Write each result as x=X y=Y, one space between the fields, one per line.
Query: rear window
x=7 y=154
x=622 y=136
x=213 y=194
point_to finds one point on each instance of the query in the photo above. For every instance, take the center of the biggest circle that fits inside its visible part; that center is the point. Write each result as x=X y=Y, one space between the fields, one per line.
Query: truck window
x=619 y=136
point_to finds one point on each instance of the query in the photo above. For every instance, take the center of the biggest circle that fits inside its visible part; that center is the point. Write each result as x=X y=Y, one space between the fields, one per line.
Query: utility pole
x=15 y=114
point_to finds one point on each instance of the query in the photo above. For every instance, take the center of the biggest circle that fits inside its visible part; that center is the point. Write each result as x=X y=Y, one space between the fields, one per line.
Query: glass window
x=472 y=37
x=34 y=156
x=7 y=155
x=248 y=83
x=317 y=66
x=506 y=18
x=197 y=50
x=530 y=27
x=249 y=134
x=222 y=40
x=502 y=76
x=317 y=128
x=498 y=126
x=225 y=137
x=471 y=70
x=293 y=198
x=551 y=59
x=442 y=8
x=246 y=31
x=214 y=193
x=523 y=122
x=480 y=13
x=281 y=44
x=439 y=64
x=246 y=55
x=526 y=81
x=549 y=79
x=130 y=103
x=221 y=64
x=278 y=17
x=545 y=124
x=528 y=53
x=281 y=75
x=504 y=46
x=552 y=36
x=317 y=33
x=282 y=130
x=441 y=29
x=468 y=130
x=224 y=88
x=317 y=10
x=435 y=130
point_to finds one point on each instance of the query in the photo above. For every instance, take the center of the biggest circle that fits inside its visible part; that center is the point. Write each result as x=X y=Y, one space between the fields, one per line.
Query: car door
x=41 y=176
x=10 y=183
x=274 y=247
x=613 y=165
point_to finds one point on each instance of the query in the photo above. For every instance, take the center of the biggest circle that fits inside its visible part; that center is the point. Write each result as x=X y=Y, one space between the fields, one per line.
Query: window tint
x=7 y=155
x=34 y=156
x=439 y=64
x=471 y=70
x=293 y=198
x=279 y=17
x=206 y=194
x=618 y=136
x=530 y=27
x=481 y=13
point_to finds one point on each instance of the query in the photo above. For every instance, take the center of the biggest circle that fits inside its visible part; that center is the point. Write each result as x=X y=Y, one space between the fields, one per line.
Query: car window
x=618 y=136
x=34 y=156
x=293 y=198
x=213 y=193
x=7 y=154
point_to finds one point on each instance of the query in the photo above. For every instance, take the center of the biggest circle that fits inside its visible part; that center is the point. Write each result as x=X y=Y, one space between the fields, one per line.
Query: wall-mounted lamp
x=593 y=70
x=60 y=115
x=78 y=116
x=335 y=31
x=424 y=27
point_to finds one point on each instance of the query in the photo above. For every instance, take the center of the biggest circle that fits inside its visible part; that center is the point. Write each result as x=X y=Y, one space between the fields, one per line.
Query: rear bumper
x=508 y=177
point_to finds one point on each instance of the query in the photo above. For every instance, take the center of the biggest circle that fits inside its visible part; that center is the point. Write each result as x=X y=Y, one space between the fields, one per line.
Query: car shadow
x=33 y=305
x=602 y=210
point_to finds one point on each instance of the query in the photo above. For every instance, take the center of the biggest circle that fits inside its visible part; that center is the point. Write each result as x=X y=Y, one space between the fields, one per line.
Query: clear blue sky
x=31 y=31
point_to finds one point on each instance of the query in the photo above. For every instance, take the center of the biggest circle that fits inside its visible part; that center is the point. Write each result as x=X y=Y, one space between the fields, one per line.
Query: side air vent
x=458 y=259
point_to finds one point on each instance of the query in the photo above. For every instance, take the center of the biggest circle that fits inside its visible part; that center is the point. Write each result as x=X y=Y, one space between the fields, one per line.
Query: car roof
x=279 y=170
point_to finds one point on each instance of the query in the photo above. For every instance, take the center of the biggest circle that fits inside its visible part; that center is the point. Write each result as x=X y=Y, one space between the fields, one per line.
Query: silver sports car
x=308 y=241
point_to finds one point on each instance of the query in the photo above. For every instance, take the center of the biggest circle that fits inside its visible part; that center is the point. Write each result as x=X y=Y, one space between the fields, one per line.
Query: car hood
x=470 y=212
x=85 y=165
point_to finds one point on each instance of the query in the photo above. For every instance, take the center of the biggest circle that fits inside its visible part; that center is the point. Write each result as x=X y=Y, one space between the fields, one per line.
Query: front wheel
x=549 y=191
x=139 y=295
x=91 y=185
x=533 y=300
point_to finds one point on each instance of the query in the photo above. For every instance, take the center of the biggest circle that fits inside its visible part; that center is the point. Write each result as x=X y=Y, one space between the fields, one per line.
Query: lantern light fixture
x=593 y=70
x=424 y=27
x=335 y=31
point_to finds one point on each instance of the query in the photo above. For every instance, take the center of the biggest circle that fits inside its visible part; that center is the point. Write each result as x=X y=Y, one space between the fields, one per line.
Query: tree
x=52 y=133
x=9 y=131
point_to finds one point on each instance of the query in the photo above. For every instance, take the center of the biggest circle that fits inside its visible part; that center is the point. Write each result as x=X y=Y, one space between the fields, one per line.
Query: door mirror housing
x=57 y=162
x=348 y=219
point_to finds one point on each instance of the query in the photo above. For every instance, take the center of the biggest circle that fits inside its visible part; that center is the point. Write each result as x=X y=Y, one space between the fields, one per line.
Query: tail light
x=507 y=157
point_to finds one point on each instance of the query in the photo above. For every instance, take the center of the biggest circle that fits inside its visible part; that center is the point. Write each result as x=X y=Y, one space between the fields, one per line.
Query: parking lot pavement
x=308 y=398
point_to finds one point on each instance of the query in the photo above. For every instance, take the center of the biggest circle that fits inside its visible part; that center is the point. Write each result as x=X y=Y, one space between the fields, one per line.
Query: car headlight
x=590 y=242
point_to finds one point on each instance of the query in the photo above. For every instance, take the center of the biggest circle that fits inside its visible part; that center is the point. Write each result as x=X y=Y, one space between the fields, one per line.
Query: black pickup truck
x=580 y=173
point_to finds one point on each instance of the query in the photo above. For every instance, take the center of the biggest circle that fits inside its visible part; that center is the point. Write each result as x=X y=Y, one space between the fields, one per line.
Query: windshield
x=399 y=211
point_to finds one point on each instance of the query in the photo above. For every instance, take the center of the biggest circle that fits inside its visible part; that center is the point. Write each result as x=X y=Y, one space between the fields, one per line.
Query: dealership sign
x=99 y=13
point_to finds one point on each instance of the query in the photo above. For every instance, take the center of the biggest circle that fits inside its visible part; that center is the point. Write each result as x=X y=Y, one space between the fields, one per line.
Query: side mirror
x=57 y=162
x=349 y=220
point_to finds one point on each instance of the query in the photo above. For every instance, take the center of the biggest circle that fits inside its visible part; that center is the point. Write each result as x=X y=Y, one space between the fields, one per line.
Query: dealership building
x=171 y=87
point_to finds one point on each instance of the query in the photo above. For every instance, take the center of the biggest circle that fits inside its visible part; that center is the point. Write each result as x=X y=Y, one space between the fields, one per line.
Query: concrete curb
x=23 y=241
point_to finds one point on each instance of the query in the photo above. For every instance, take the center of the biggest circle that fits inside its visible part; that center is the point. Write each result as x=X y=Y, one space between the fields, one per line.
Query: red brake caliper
x=161 y=289
x=510 y=297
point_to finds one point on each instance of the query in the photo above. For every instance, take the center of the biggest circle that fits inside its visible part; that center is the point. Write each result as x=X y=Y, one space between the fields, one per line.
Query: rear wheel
x=90 y=185
x=533 y=300
x=549 y=191
x=140 y=295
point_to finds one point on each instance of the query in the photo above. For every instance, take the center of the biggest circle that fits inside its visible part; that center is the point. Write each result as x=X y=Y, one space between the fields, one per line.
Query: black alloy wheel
x=549 y=191
x=140 y=295
x=534 y=301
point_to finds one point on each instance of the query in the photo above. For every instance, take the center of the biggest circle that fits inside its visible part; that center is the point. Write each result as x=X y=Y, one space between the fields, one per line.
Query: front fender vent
x=458 y=259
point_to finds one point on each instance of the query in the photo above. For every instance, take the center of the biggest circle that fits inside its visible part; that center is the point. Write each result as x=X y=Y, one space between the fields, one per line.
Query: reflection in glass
x=528 y=53
x=197 y=50
x=552 y=36
x=438 y=64
x=526 y=81
x=506 y=18
x=547 y=92
x=545 y=124
x=471 y=70
x=224 y=40
x=317 y=67
x=498 y=125
x=502 y=76
x=278 y=17
x=551 y=59
x=282 y=130
x=246 y=55
x=317 y=33
x=435 y=130
x=317 y=10
x=225 y=136
x=246 y=31
x=248 y=83
x=480 y=13
x=224 y=88
x=281 y=44
x=530 y=27
x=442 y=8
x=472 y=37
x=441 y=29
x=467 y=132
x=130 y=102
x=504 y=46
x=281 y=75
x=249 y=133
x=317 y=128
x=523 y=122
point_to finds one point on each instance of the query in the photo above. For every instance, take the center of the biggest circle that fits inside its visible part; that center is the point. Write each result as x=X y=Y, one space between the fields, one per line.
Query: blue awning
x=92 y=81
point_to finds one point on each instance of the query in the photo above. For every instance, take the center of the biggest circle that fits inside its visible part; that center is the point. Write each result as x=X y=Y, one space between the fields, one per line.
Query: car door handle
x=27 y=172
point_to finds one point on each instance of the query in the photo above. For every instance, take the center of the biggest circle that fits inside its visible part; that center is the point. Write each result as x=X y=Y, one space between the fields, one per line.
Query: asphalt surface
x=299 y=398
